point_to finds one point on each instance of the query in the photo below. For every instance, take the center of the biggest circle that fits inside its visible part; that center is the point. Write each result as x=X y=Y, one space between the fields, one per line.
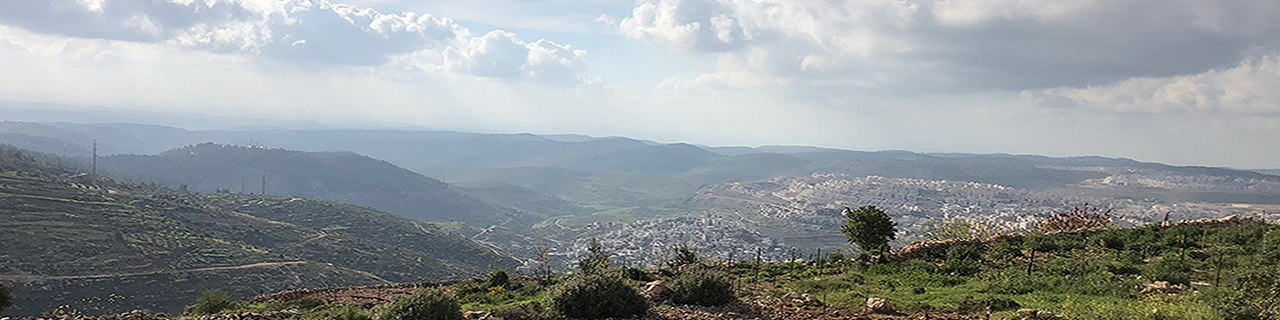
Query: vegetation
x=684 y=255
x=334 y=176
x=211 y=302
x=1077 y=219
x=1214 y=271
x=425 y=304
x=6 y=295
x=498 y=279
x=596 y=297
x=130 y=238
x=959 y=228
x=702 y=287
x=870 y=228
x=597 y=259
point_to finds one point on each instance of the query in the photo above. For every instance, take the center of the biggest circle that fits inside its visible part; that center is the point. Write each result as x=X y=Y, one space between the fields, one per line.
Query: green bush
x=211 y=302
x=597 y=258
x=835 y=257
x=6 y=295
x=685 y=255
x=635 y=274
x=702 y=287
x=962 y=260
x=974 y=306
x=498 y=279
x=529 y=311
x=426 y=304
x=346 y=312
x=1175 y=271
x=596 y=297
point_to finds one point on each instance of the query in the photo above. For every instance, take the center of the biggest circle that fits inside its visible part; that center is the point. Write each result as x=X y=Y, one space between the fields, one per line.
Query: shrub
x=702 y=287
x=1006 y=250
x=685 y=255
x=346 y=312
x=1078 y=219
x=426 y=304
x=974 y=306
x=498 y=279
x=835 y=257
x=595 y=297
x=6 y=295
x=597 y=258
x=211 y=302
x=1175 y=271
x=529 y=311
x=962 y=260
x=635 y=274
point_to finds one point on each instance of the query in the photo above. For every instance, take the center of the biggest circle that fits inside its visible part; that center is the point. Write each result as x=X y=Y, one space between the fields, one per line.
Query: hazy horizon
x=201 y=122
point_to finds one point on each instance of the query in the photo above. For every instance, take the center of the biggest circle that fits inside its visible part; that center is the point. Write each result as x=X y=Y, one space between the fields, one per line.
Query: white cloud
x=939 y=46
x=1247 y=89
x=314 y=33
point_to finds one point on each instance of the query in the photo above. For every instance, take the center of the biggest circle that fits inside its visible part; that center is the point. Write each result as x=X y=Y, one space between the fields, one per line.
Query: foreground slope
x=99 y=245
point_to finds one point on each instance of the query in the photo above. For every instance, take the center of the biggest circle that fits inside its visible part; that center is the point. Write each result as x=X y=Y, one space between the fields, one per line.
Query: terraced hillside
x=99 y=245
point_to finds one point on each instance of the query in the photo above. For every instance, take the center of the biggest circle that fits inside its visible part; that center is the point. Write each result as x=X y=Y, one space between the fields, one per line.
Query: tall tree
x=870 y=228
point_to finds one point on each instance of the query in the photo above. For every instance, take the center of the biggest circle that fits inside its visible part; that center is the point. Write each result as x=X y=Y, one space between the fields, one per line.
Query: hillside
x=1203 y=269
x=71 y=238
x=334 y=176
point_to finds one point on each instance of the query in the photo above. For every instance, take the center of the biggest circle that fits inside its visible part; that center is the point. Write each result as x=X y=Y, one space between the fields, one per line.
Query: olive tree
x=869 y=228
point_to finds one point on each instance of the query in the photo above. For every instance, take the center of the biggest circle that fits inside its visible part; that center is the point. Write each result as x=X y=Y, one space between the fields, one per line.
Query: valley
x=500 y=199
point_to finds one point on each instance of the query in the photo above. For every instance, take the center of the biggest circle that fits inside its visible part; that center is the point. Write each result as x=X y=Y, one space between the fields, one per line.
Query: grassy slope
x=1091 y=275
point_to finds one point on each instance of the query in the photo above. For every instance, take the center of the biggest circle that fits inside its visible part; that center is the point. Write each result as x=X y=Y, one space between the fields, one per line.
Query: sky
x=1189 y=82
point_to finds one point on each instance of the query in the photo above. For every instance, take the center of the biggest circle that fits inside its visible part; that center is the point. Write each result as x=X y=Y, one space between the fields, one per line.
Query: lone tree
x=870 y=228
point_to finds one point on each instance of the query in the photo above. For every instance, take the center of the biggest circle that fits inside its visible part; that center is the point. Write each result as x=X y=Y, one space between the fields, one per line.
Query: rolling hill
x=75 y=239
x=335 y=176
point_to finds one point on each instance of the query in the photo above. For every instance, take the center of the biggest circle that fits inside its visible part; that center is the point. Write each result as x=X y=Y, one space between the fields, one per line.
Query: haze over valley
x=519 y=192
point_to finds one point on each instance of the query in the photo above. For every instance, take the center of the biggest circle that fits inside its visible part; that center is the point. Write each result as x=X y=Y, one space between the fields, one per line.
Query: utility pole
x=264 y=184
x=95 y=158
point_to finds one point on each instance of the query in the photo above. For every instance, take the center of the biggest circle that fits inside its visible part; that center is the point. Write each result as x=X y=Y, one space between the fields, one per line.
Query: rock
x=800 y=300
x=656 y=290
x=1163 y=287
x=880 y=306
x=1026 y=313
x=476 y=315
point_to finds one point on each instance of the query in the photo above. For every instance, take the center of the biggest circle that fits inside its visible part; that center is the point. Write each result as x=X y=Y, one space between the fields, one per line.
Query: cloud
x=932 y=46
x=303 y=32
x=1247 y=89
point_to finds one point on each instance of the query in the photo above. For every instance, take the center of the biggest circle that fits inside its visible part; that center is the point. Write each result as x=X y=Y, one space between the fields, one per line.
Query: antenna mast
x=95 y=157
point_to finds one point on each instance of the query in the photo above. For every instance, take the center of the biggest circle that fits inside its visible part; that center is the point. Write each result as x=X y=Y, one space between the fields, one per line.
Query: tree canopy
x=870 y=228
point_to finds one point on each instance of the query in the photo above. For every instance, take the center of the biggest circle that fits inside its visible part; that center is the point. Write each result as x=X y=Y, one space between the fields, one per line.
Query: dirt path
x=27 y=278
